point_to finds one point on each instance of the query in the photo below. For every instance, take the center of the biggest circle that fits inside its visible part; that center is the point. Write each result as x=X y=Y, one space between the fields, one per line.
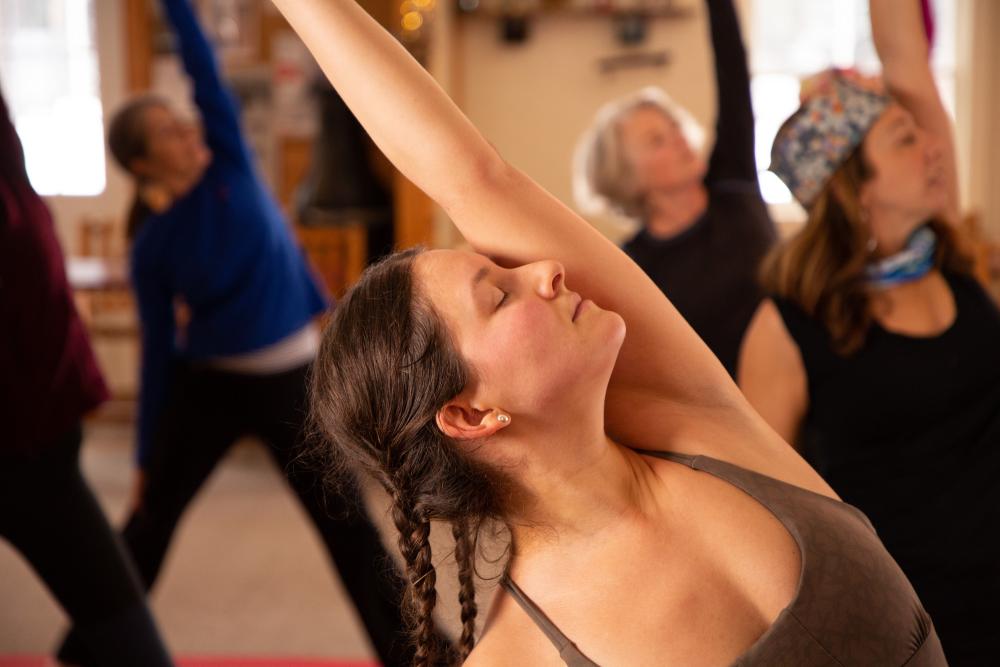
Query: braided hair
x=386 y=365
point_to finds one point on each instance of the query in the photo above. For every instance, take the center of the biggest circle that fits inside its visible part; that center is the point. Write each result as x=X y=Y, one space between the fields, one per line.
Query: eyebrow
x=897 y=123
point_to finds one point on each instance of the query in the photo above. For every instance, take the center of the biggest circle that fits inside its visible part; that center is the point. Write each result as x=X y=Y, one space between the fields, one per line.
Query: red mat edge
x=206 y=661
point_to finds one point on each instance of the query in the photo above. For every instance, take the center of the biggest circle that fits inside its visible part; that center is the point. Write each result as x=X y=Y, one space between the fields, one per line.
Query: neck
x=675 y=210
x=160 y=194
x=578 y=488
x=900 y=226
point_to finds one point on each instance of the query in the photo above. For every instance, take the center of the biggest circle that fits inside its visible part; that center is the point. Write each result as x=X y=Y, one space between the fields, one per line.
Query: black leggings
x=207 y=412
x=49 y=514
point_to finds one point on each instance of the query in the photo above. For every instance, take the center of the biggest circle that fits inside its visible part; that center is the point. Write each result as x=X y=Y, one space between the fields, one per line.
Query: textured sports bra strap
x=568 y=651
x=686 y=459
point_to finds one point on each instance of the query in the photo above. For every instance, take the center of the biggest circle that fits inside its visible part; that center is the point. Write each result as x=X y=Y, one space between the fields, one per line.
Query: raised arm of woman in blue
x=666 y=384
x=220 y=113
x=733 y=155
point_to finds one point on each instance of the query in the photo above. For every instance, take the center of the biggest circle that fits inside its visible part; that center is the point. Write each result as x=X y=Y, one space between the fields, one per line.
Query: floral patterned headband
x=838 y=108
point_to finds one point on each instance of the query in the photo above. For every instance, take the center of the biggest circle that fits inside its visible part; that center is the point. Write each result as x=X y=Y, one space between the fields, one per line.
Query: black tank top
x=908 y=430
x=853 y=606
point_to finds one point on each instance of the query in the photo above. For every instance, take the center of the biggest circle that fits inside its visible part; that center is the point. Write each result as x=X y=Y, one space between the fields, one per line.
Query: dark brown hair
x=821 y=269
x=127 y=142
x=386 y=365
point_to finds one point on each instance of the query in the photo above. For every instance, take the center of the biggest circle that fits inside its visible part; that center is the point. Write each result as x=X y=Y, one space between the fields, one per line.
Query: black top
x=908 y=430
x=709 y=271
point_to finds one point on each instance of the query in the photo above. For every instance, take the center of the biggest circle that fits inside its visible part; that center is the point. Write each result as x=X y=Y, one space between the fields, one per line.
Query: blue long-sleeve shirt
x=224 y=248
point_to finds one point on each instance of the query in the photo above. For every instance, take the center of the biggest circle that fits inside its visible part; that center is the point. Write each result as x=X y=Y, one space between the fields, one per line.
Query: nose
x=549 y=276
x=933 y=147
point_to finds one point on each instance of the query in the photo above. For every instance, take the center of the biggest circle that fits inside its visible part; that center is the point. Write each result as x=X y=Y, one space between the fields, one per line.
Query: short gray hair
x=603 y=178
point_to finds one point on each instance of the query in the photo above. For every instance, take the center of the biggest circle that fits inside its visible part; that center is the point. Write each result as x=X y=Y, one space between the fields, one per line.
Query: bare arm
x=771 y=373
x=501 y=211
x=901 y=42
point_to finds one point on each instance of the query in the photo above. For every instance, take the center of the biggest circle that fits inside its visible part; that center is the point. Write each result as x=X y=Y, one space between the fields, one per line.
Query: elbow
x=484 y=175
x=488 y=170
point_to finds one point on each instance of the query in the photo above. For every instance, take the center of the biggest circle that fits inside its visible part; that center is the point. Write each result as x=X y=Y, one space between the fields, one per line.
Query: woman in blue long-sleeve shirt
x=206 y=233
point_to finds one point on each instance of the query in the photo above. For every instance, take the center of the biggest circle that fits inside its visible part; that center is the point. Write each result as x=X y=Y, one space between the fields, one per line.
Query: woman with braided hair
x=654 y=516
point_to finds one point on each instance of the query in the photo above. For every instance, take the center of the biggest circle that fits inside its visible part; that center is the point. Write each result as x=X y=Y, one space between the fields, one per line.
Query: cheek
x=524 y=350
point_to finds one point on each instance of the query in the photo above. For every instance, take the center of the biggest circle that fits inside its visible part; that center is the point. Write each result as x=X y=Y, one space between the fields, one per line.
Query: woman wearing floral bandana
x=876 y=355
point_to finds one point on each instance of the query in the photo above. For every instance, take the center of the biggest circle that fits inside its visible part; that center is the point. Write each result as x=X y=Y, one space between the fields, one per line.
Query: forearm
x=733 y=155
x=219 y=110
x=194 y=47
x=402 y=108
x=901 y=41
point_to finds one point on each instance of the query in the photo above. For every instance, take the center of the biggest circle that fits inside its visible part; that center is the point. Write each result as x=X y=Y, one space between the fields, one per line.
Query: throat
x=674 y=212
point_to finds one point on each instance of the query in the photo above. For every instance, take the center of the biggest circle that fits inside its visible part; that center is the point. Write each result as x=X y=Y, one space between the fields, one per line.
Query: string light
x=412 y=21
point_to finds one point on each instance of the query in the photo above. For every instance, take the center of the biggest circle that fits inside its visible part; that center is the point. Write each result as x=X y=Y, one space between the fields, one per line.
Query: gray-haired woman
x=704 y=230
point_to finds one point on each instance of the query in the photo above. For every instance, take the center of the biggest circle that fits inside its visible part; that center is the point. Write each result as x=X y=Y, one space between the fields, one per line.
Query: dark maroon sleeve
x=11 y=152
x=49 y=377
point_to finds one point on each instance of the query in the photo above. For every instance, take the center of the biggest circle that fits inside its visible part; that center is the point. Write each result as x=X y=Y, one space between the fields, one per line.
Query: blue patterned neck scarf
x=912 y=262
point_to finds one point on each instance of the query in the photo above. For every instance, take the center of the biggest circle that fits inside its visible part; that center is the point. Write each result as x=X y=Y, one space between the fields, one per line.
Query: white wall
x=533 y=100
x=978 y=96
x=115 y=199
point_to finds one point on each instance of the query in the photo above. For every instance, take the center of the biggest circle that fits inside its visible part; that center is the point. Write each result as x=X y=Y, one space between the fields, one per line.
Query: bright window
x=50 y=79
x=795 y=38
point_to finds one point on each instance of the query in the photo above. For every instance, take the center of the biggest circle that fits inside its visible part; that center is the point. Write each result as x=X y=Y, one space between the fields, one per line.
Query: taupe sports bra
x=853 y=605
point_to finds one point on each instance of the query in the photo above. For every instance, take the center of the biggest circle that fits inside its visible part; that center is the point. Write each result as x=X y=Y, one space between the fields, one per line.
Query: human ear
x=461 y=421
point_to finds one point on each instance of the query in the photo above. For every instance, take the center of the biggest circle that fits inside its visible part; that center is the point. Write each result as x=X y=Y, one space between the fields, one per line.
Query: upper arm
x=771 y=373
x=900 y=39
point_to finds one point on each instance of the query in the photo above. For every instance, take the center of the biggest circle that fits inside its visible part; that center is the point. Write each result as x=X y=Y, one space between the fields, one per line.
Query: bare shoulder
x=768 y=335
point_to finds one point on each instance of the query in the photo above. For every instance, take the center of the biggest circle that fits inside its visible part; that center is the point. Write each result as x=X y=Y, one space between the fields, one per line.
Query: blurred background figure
x=206 y=234
x=48 y=381
x=704 y=231
x=876 y=354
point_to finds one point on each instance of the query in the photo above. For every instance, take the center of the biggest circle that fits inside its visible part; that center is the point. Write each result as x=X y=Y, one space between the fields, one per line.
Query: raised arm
x=219 y=110
x=733 y=154
x=901 y=41
x=771 y=373
x=499 y=210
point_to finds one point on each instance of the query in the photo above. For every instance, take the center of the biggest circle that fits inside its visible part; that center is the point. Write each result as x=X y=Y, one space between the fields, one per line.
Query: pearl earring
x=503 y=418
